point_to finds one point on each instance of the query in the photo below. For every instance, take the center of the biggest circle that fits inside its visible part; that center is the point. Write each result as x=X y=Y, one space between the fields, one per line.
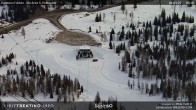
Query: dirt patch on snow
x=74 y=38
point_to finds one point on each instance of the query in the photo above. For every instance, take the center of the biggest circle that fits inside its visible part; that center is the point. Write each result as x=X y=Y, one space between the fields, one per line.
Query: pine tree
x=162 y=85
x=147 y=88
x=127 y=55
x=97 y=18
x=100 y=18
x=46 y=7
x=123 y=6
x=23 y=32
x=132 y=40
x=175 y=96
x=138 y=84
x=2 y=14
x=192 y=32
x=171 y=28
x=124 y=46
x=110 y=44
x=128 y=83
x=182 y=30
x=31 y=95
x=150 y=24
x=32 y=88
x=111 y=36
x=169 y=90
x=183 y=17
x=160 y=31
x=73 y=4
x=17 y=79
x=58 y=85
x=101 y=3
x=156 y=33
x=146 y=35
x=51 y=94
x=163 y=15
x=2 y=36
x=165 y=92
x=151 y=90
x=81 y=89
x=146 y=24
x=9 y=12
x=3 y=61
x=174 y=18
x=189 y=4
x=42 y=70
x=119 y=67
x=22 y=86
x=14 y=87
x=122 y=34
x=189 y=91
x=112 y=31
x=88 y=3
x=123 y=64
x=97 y=98
x=186 y=33
x=89 y=29
x=135 y=4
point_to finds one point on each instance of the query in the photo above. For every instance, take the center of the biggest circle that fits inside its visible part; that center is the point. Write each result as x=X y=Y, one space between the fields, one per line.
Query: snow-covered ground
x=102 y=76
x=142 y=14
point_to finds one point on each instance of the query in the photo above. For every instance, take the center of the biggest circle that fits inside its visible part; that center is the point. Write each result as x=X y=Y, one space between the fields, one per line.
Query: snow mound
x=41 y=20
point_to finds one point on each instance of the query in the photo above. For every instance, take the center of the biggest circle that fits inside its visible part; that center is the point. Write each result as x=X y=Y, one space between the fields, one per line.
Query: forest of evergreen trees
x=165 y=52
x=24 y=11
x=17 y=12
x=33 y=79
